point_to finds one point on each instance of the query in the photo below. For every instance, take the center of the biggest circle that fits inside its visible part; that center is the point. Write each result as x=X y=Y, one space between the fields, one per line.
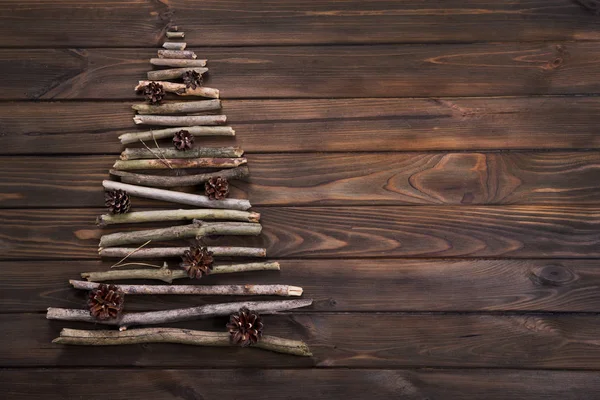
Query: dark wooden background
x=429 y=172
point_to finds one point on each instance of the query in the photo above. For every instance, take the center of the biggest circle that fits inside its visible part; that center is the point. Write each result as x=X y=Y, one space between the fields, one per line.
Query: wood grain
x=337 y=179
x=317 y=71
x=368 y=285
x=213 y=22
x=344 y=232
x=338 y=340
x=324 y=125
x=291 y=384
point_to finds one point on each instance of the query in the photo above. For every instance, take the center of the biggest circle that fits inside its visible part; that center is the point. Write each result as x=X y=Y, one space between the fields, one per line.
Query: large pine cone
x=192 y=79
x=216 y=188
x=245 y=327
x=197 y=261
x=154 y=92
x=117 y=201
x=106 y=302
x=592 y=6
x=183 y=140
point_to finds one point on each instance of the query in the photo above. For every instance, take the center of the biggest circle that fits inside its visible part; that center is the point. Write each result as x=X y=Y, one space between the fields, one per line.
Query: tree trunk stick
x=179 y=163
x=197 y=131
x=177 y=315
x=178 y=108
x=178 y=181
x=177 y=54
x=174 y=45
x=177 y=197
x=200 y=290
x=177 y=215
x=188 y=120
x=181 y=90
x=202 y=152
x=174 y=335
x=195 y=230
x=174 y=62
x=175 y=35
x=175 y=252
x=168 y=275
x=166 y=74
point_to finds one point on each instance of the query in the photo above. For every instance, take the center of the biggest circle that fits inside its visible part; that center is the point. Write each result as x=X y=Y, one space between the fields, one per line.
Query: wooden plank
x=347 y=285
x=143 y=22
x=292 y=384
x=324 y=125
x=336 y=340
x=337 y=179
x=316 y=72
x=344 y=232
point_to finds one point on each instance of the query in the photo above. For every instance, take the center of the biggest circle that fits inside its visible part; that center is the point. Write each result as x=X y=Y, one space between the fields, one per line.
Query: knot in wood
x=552 y=275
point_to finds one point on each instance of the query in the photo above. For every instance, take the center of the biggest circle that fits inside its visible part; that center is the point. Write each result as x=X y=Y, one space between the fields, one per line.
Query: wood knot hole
x=552 y=275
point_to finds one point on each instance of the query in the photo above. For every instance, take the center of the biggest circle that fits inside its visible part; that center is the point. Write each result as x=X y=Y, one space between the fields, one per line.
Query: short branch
x=170 y=132
x=177 y=54
x=201 y=152
x=179 y=163
x=174 y=62
x=174 y=45
x=178 y=215
x=174 y=252
x=187 y=120
x=175 y=35
x=178 y=108
x=178 y=181
x=166 y=74
x=181 y=90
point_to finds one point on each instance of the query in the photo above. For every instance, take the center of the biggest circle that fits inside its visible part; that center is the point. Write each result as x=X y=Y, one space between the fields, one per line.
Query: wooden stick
x=178 y=181
x=177 y=315
x=177 y=54
x=174 y=45
x=168 y=275
x=175 y=35
x=178 y=108
x=179 y=163
x=202 y=152
x=197 y=131
x=200 y=290
x=196 y=230
x=188 y=120
x=177 y=215
x=174 y=73
x=175 y=252
x=174 y=62
x=181 y=90
x=80 y=337
x=177 y=197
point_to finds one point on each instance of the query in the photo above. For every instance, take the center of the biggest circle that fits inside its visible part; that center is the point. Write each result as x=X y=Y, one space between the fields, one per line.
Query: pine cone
x=154 y=92
x=216 y=188
x=592 y=6
x=106 y=302
x=117 y=201
x=245 y=327
x=197 y=261
x=183 y=140
x=192 y=79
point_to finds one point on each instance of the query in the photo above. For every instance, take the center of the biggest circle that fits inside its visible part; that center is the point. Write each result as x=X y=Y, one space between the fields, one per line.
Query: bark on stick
x=174 y=62
x=181 y=90
x=175 y=252
x=177 y=54
x=178 y=215
x=179 y=163
x=197 y=131
x=202 y=152
x=174 y=73
x=175 y=35
x=174 y=45
x=187 y=120
x=178 y=108
x=178 y=181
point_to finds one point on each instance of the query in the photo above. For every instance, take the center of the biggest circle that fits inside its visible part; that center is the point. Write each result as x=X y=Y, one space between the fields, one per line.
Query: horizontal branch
x=174 y=45
x=177 y=54
x=198 y=131
x=200 y=290
x=201 y=152
x=195 y=230
x=178 y=215
x=239 y=173
x=178 y=108
x=177 y=197
x=179 y=163
x=177 y=315
x=181 y=90
x=174 y=73
x=174 y=62
x=174 y=335
x=174 y=252
x=175 y=35
x=187 y=120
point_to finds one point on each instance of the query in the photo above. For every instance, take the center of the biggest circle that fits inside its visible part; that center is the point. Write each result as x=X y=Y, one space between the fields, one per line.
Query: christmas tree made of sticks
x=178 y=72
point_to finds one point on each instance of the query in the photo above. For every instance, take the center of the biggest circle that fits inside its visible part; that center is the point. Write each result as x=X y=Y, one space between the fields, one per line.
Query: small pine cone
x=183 y=140
x=154 y=92
x=117 y=201
x=106 y=302
x=192 y=79
x=197 y=261
x=216 y=188
x=245 y=327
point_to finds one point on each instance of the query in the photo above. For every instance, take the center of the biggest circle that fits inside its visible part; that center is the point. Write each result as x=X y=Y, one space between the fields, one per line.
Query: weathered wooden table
x=429 y=172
